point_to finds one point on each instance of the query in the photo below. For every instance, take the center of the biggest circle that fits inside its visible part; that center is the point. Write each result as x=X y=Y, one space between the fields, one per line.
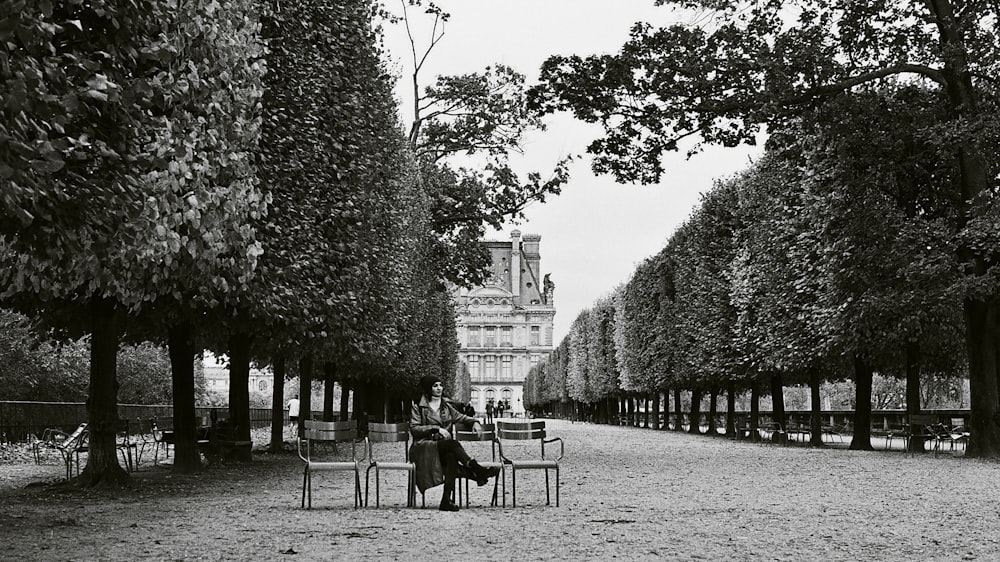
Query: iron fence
x=18 y=420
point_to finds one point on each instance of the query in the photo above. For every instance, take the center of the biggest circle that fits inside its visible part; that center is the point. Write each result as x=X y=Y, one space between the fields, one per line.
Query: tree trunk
x=345 y=400
x=981 y=314
x=816 y=409
x=180 y=340
x=983 y=329
x=754 y=410
x=679 y=424
x=777 y=400
x=713 y=412
x=656 y=410
x=695 y=416
x=645 y=408
x=731 y=410
x=329 y=378
x=278 y=407
x=862 y=440
x=239 y=393
x=631 y=410
x=103 y=470
x=913 y=406
x=305 y=391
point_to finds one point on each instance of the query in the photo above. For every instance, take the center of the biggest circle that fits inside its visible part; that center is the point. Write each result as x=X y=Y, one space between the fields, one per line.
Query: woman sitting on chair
x=432 y=421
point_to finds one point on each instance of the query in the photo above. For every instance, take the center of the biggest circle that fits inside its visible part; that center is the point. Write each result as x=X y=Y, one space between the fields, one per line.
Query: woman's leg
x=450 y=453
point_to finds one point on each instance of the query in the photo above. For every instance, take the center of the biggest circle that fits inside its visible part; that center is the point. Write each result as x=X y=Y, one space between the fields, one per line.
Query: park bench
x=528 y=431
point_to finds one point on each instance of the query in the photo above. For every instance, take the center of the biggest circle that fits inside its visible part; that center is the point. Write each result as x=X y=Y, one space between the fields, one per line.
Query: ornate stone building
x=505 y=326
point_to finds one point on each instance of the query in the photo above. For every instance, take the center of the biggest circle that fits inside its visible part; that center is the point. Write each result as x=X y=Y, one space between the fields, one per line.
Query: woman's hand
x=478 y=428
x=445 y=434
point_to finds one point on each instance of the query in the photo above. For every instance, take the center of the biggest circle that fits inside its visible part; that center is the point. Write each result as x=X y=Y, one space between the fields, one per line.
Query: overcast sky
x=596 y=232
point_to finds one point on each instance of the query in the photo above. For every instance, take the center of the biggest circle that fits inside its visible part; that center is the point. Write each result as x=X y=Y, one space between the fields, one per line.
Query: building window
x=534 y=361
x=490 y=394
x=505 y=367
x=507 y=336
x=535 y=337
x=491 y=336
x=491 y=367
x=474 y=396
x=474 y=368
x=505 y=394
x=474 y=336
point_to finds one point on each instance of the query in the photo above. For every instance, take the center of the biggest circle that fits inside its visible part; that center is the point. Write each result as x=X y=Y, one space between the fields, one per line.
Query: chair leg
x=357 y=489
x=548 y=498
x=503 y=487
x=305 y=479
x=513 y=487
x=557 y=486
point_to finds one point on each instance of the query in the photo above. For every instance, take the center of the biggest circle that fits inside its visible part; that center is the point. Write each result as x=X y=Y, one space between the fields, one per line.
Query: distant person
x=489 y=412
x=293 y=414
x=500 y=409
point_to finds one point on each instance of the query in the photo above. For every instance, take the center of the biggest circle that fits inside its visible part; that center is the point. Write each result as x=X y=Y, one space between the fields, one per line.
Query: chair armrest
x=562 y=447
x=306 y=457
x=499 y=446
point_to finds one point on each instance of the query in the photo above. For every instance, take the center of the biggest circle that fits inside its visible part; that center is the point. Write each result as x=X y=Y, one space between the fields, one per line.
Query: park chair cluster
x=931 y=432
x=132 y=440
x=71 y=445
x=319 y=451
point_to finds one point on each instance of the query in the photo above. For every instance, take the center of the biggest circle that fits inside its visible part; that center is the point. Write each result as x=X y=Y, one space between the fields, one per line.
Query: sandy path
x=626 y=493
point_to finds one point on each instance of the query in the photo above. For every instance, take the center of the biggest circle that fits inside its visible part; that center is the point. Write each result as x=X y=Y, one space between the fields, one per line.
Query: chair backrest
x=316 y=430
x=489 y=434
x=75 y=440
x=489 y=431
x=520 y=430
x=923 y=419
x=388 y=433
x=957 y=422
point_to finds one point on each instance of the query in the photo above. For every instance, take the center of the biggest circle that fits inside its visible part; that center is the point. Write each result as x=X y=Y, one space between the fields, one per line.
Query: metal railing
x=18 y=420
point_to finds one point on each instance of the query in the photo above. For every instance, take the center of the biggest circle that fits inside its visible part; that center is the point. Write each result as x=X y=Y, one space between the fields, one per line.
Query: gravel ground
x=626 y=493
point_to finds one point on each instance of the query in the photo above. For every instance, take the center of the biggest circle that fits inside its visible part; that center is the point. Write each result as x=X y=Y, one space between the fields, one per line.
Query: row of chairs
x=332 y=434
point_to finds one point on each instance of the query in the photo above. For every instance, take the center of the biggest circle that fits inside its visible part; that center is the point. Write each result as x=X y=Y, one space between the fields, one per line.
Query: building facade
x=505 y=326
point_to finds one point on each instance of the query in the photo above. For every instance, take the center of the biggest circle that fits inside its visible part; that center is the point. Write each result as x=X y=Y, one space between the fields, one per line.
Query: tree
x=760 y=64
x=482 y=115
x=70 y=187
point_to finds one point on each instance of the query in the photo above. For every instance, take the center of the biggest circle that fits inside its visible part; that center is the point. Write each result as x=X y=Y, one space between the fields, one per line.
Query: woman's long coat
x=425 y=422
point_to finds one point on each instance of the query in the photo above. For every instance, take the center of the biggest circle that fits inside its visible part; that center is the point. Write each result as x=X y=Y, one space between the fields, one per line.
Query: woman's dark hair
x=427 y=382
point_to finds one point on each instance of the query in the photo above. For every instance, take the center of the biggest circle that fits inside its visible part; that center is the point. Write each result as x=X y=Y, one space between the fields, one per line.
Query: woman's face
x=437 y=390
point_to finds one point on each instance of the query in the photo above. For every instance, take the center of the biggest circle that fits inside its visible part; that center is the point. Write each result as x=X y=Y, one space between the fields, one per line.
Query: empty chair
x=523 y=431
x=318 y=433
x=69 y=445
x=126 y=447
x=162 y=437
x=390 y=433
x=464 y=474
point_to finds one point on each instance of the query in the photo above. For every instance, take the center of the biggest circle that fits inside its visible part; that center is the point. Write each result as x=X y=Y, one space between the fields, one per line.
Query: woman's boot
x=482 y=473
x=449 y=491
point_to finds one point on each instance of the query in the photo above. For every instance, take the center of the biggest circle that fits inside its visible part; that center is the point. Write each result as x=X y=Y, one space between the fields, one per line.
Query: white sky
x=596 y=232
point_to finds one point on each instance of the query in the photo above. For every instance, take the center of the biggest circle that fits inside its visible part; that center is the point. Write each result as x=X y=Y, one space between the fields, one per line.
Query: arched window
x=490 y=394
